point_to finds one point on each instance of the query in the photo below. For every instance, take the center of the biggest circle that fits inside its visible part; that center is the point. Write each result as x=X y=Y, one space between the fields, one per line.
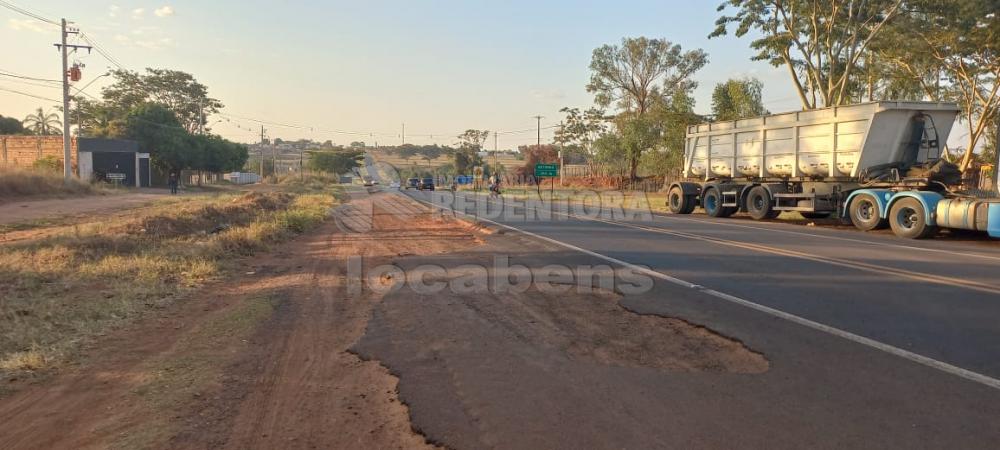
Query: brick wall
x=23 y=151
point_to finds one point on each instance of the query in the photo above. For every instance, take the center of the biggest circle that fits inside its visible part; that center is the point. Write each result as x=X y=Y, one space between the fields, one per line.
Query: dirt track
x=267 y=359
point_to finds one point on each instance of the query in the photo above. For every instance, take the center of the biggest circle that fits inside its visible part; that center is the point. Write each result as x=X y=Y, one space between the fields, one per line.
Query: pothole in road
x=595 y=327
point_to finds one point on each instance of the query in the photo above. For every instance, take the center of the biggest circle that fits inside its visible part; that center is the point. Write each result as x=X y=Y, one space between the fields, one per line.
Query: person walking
x=173 y=180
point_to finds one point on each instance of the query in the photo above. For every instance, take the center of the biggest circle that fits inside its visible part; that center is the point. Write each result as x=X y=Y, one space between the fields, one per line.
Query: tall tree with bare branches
x=821 y=43
x=957 y=45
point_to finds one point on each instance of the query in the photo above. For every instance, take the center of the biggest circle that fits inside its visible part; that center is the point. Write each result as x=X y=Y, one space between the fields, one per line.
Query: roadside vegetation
x=62 y=289
x=16 y=184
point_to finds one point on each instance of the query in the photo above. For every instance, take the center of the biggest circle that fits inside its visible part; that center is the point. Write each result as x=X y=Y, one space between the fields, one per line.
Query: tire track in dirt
x=308 y=390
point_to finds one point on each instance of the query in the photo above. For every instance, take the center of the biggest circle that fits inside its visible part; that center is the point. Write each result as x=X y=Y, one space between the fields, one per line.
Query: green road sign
x=546 y=170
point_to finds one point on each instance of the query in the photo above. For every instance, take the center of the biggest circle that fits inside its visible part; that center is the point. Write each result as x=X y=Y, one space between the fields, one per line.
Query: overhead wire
x=117 y=63
x=7 y=73
x=28 y=13
x=29 y=95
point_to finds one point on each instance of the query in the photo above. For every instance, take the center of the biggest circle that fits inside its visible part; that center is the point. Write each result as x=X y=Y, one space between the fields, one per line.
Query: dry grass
x=18 y=183
x=317 y=182
x=59 y=290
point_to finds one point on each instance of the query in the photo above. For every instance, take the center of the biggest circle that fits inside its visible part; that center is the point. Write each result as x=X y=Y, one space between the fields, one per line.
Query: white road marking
x=800 y=233
x=846 y=263
x=905 y=354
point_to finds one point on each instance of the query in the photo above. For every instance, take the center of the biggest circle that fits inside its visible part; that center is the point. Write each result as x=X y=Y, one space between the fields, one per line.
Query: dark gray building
x=113 y=160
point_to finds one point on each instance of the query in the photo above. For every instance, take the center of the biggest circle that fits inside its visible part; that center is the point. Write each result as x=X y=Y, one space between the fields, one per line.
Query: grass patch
x=314 y=183
x=59 y=290
x=17 y=183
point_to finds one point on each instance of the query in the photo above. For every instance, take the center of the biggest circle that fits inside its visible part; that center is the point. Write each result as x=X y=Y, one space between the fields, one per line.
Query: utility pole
x=404 y=134
x=496 y=148
x=67 y=139
x=539 y=119
x=262 y=153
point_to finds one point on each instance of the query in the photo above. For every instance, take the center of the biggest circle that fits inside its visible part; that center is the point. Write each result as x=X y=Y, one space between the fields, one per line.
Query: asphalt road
x=938 y=299
x=872 y=341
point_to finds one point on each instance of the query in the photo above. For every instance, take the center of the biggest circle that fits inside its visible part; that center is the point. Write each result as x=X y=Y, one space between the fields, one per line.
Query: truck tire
x=908 y=219
x=678 y=203
x=865 y=214
x=760 y=206
x=711 y=202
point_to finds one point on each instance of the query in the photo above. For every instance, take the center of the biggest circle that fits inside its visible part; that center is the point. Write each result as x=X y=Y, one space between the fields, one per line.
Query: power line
x=32 y=83
x=21 y=10
x=10 y=74
x=28 y=95
x=107 y=55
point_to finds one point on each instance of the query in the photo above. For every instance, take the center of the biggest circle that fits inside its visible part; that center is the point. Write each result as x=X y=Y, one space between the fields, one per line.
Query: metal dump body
x=834 y=142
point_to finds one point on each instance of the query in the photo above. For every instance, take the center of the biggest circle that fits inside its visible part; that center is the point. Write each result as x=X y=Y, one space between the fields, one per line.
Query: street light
x=79 y=122
x=92 y=81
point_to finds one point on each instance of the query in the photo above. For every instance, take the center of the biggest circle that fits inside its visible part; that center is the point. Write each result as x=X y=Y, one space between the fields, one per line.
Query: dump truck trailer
x=877 y=164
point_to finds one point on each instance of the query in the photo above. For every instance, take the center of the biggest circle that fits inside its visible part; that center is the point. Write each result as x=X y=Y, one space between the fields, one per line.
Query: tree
x=820 y=42
x=178 y=91
x=406 y=151
x=674 y=117
x=638 y=134
x=159 y=132
x=632 y=76
x=42 y=123
x=581 y=129
x=535 y=154
x=635 y=77
x=430 y=152
x=608 y=149
x=97 y=119
x=10 y=125
x=473 y=139
x=218 y=155
x=335 y=161
x=465 y=160
x=961 y=41
x=738 y=99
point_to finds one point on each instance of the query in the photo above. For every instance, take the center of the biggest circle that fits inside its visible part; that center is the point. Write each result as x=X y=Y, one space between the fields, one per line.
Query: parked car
x=413 y=183
x=427 y=184
x=394 y=185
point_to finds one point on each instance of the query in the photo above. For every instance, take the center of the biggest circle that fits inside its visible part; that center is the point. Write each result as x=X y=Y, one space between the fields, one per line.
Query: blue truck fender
x=929 y=200
x=882 y=197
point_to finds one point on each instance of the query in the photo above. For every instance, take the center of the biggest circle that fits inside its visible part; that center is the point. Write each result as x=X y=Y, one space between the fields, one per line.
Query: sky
x=368 y=67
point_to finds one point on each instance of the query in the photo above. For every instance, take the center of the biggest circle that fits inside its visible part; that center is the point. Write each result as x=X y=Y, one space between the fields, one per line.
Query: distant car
x=413 y=183
x=368 y=181
x=394 y=185
x=427 y=184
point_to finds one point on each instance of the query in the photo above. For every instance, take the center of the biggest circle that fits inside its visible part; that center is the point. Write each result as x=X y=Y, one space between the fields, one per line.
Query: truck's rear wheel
x=678 y=203
x=760 y=206
x=865 y=213
x=711 y=202
x=908 y=219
